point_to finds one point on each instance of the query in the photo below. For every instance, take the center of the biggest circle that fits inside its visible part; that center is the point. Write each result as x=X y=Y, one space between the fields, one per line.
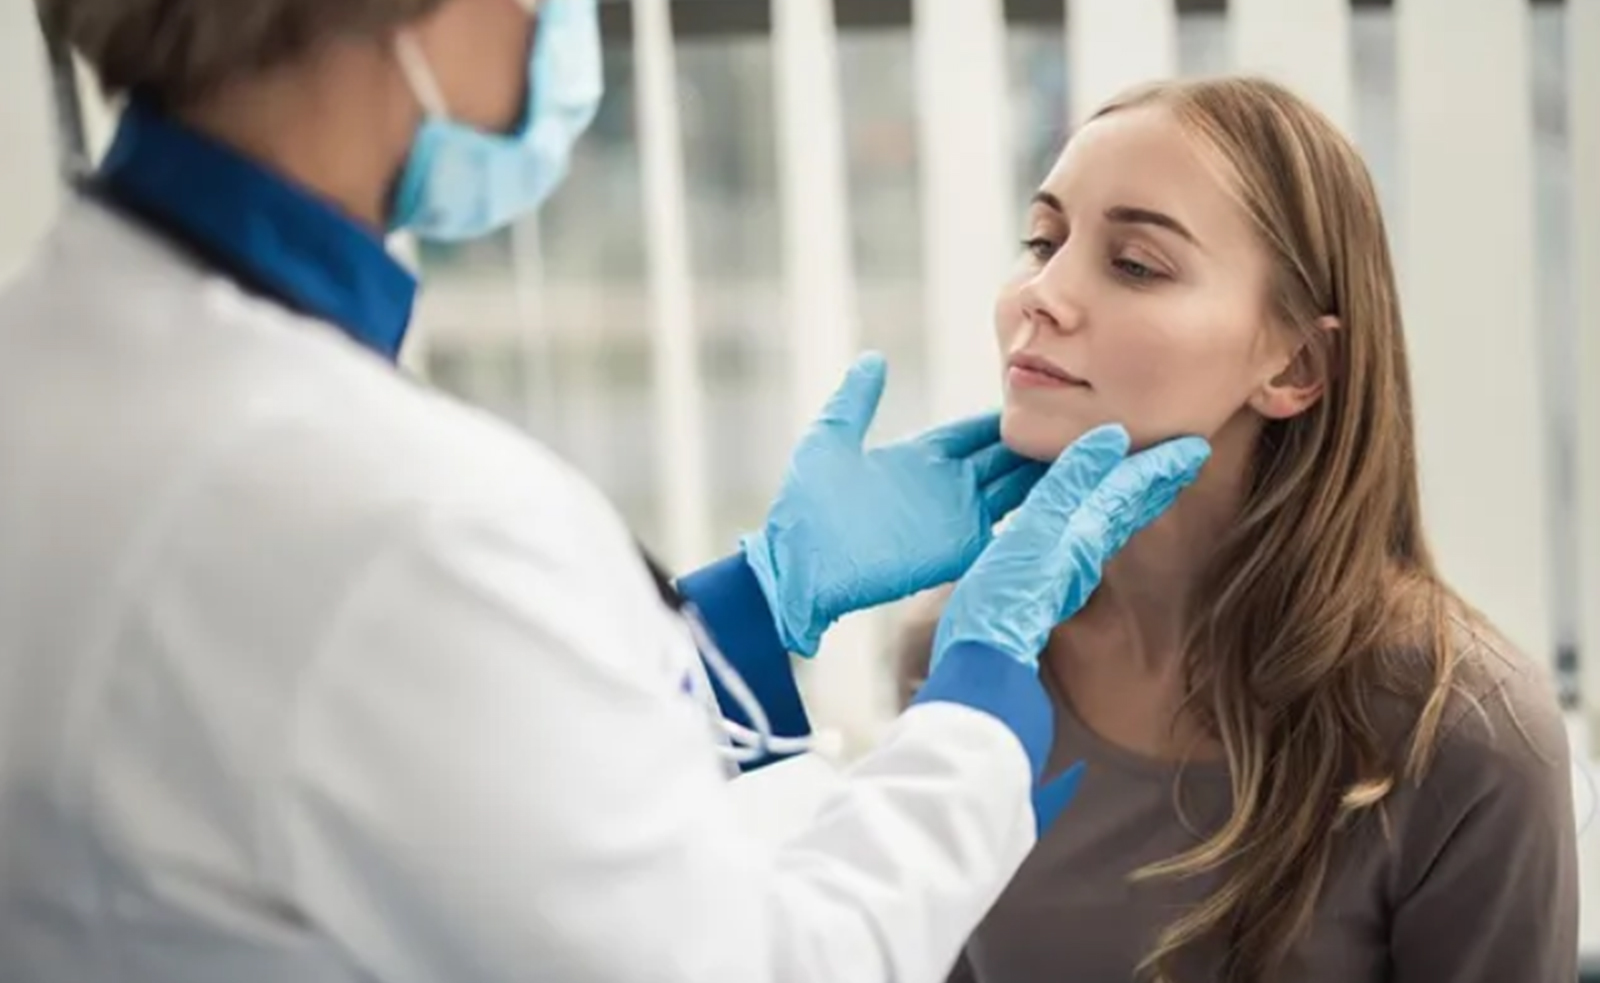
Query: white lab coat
x=311 y=675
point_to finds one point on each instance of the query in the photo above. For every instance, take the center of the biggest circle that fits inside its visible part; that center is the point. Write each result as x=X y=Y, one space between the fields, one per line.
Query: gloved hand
x=852 y=528
x=1041 y=569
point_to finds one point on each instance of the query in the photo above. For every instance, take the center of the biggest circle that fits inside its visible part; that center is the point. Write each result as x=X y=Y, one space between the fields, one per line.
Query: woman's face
x=1140 y=298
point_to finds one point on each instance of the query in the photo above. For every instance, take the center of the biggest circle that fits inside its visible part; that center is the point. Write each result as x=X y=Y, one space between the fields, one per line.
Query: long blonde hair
x=1324 y=593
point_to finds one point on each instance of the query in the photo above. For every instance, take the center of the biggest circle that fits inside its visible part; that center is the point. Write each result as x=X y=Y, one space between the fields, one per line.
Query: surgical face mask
x=462 y=183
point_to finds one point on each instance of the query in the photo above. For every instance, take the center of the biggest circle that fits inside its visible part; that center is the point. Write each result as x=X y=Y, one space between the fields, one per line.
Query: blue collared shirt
x=274 y=236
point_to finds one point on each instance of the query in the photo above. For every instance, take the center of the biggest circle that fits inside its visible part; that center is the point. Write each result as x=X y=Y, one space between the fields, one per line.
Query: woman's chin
x=1035 y=437
x=1042 y=437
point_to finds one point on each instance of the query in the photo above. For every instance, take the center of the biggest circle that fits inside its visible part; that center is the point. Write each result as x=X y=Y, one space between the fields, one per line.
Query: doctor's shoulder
x=318 y=461
x=415 y=461
x=435 y=541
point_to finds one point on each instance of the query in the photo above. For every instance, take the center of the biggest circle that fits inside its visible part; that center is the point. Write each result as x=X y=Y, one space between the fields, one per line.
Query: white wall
x=29 y=192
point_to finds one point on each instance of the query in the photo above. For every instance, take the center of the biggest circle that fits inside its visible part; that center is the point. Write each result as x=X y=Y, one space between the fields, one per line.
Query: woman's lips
x=1026 y=371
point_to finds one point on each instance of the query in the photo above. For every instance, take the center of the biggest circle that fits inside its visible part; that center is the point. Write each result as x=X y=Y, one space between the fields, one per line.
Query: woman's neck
x=1141 y=611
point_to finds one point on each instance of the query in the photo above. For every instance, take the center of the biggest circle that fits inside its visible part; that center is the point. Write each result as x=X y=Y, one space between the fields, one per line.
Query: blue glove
x=1041 y=569
x=852 y=528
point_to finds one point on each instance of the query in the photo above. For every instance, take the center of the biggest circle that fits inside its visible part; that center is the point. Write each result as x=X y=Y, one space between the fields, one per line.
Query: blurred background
x=773 y=185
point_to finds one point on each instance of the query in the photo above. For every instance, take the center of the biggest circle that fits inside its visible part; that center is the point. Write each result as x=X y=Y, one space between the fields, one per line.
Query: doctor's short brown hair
x=174 y=51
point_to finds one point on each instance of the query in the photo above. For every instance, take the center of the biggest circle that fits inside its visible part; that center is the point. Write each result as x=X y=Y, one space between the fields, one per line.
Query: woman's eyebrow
x=1124 y=215
x=1049 y=201
x=1131 y=215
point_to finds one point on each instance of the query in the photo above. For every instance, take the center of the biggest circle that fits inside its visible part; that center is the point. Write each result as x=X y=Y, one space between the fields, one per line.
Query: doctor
x=309 y=674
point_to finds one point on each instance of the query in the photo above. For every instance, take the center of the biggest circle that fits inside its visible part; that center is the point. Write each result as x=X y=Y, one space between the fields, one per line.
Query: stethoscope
x=745 y=744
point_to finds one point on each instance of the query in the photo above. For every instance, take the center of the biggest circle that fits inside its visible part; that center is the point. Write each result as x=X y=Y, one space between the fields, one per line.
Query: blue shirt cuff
x=975 y=675
x=734 y=611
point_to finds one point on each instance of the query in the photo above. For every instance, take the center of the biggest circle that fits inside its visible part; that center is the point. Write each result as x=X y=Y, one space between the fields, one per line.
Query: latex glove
x=852 y=528
x=1041 y=569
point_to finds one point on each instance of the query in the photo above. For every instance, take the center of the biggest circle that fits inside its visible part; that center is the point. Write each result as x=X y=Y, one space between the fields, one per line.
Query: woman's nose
x=1052 y=300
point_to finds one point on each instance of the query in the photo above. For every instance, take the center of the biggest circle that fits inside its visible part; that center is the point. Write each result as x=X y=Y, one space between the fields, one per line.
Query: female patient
x=1308 y=760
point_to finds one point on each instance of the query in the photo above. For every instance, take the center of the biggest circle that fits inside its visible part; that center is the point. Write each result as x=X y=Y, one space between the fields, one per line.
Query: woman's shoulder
x=1501 y=763
x=1504 y=709
x=1501 y=722
x=1487 y=835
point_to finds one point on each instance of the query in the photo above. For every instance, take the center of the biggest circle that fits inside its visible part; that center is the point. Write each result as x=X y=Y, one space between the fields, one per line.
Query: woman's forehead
x=1144 y=157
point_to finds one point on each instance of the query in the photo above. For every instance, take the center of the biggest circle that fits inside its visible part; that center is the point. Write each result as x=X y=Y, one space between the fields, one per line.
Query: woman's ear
x=1302 y=378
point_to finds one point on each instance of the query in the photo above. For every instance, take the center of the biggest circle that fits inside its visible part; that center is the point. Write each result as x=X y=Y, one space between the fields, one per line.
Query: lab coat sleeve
x=735 y=612
x=492 y=780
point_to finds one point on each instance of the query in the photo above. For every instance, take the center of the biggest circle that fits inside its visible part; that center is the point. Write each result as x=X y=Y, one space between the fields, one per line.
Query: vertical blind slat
x=845 y=688
x=1112 y=44
x=969 y=217
x=1468 y=279
x=1304 y=44
x=681 y=458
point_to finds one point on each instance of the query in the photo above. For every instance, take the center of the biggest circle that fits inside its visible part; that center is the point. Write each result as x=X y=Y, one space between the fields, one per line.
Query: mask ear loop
x=419 y=75
x=747 y=744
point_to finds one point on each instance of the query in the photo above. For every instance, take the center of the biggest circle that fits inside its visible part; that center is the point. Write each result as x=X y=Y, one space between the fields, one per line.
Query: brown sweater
x=1478 y=885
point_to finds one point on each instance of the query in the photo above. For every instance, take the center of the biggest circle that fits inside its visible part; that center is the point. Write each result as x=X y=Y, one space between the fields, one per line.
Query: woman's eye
x=1135 y=270
x=1041 y=248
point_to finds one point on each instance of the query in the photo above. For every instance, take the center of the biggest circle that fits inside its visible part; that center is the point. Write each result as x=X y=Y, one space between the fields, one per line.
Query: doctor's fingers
x=1002 y=495
x=1080 y=469
x=996 y=461
x=965 y=438
x=1137 y=492
x=854 y=404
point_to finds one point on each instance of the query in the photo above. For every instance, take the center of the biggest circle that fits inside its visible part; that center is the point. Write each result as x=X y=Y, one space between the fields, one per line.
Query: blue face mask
x=462 y=183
